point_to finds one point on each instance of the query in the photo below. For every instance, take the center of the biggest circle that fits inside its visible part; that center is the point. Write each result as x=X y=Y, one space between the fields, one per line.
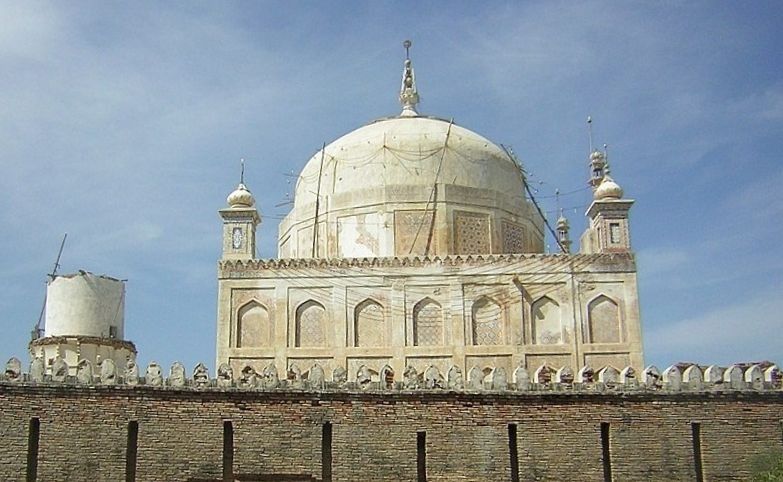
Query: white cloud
x=28 y=33
x=750 y=329
x=657 y=261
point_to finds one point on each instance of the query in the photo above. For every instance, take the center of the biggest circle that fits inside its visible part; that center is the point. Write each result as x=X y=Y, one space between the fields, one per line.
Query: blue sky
x=122 y=123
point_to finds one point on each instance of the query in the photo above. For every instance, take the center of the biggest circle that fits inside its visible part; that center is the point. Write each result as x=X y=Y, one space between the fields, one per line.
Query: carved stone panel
x=513 y=238
x=413 y=232
x=471 y=233
x=373 y=366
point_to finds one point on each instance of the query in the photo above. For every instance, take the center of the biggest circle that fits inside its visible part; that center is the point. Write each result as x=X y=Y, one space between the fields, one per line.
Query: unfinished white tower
x=85 y=320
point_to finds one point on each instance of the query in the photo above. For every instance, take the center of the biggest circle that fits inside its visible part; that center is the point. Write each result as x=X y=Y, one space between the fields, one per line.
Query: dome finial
x=590 y=132
x=409 y=97
x=608 y=187
x=597 y=159
x=241 y=197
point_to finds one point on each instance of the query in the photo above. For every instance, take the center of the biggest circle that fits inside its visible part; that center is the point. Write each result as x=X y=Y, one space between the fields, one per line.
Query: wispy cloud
x=747 y=329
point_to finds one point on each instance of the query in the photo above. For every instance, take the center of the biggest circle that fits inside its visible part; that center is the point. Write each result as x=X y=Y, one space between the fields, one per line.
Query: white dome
x=241 y=197
x=387 y=169
x=407 y=151
x=608 y=189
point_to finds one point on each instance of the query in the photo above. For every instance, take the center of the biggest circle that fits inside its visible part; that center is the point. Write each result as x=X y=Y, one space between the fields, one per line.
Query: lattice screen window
x=369 y=324
x=310 y=324
x=427 y=323
x=487 y=323
x=513 y=238
x=471 y=233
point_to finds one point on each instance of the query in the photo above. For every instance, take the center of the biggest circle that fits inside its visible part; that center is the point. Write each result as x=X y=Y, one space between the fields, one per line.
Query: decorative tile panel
x=471 y=233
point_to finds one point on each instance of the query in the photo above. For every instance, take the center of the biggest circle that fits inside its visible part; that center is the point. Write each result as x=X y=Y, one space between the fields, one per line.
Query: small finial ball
x=407 y=44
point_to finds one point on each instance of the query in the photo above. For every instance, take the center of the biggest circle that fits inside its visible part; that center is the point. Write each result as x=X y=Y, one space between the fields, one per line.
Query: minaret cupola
x=563 y=237
x=240 y=220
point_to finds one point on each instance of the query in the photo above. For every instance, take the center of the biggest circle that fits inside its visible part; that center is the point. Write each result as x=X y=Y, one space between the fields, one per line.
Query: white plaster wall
x=513 y=281
x=85 y=304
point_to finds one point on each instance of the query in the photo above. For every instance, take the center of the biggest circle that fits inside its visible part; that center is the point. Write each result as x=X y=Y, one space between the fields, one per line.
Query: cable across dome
x=406 y=185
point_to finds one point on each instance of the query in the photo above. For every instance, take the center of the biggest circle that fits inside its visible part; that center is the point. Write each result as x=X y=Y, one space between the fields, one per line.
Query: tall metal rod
x=532 y=198
x=52 y=275
x=433 y=199
x=318 y=200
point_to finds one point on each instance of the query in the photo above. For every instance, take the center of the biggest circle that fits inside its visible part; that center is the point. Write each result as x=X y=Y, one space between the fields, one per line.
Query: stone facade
x=411 y=243
x=505 y=310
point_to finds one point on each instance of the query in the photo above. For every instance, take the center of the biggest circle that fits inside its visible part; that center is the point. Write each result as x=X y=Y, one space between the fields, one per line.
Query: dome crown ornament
x=241 y=197
x=409 y=96
x=608 y=189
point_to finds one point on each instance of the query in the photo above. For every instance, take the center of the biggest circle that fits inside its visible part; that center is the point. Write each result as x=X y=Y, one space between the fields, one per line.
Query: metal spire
x=409 y=97
x=242 y=170
x=590 y=132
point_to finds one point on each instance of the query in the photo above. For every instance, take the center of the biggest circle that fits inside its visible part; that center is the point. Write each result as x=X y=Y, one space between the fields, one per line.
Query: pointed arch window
x=603 y=319
x=427 y=323
x=310 y=325
x=547 y=324
x=487 y=322
x=253 y=326
x=369 y=324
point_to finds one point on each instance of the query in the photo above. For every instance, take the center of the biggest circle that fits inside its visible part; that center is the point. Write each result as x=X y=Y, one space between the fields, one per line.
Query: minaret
x=409 y=96
x=562 y=233
x=240 y=220
x=608 y=231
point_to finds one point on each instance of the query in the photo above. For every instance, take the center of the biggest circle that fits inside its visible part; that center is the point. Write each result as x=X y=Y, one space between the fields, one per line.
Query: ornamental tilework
x=513 y=238
x=427 y=324
x=471 y=232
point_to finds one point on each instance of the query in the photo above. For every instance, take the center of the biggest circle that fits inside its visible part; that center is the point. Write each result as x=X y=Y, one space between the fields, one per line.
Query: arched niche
x=603 y=321
x=487 y=322
x=427 y=323
x=310 y=325
x=369 y=324
x=254 y=328
x=547 y=326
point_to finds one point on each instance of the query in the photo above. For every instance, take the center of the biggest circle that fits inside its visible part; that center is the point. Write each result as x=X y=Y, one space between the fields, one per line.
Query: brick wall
x=84 y=432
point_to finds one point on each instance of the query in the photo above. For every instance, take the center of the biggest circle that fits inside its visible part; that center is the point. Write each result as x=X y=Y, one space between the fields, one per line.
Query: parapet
x=620 y=262
x=755 y=377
